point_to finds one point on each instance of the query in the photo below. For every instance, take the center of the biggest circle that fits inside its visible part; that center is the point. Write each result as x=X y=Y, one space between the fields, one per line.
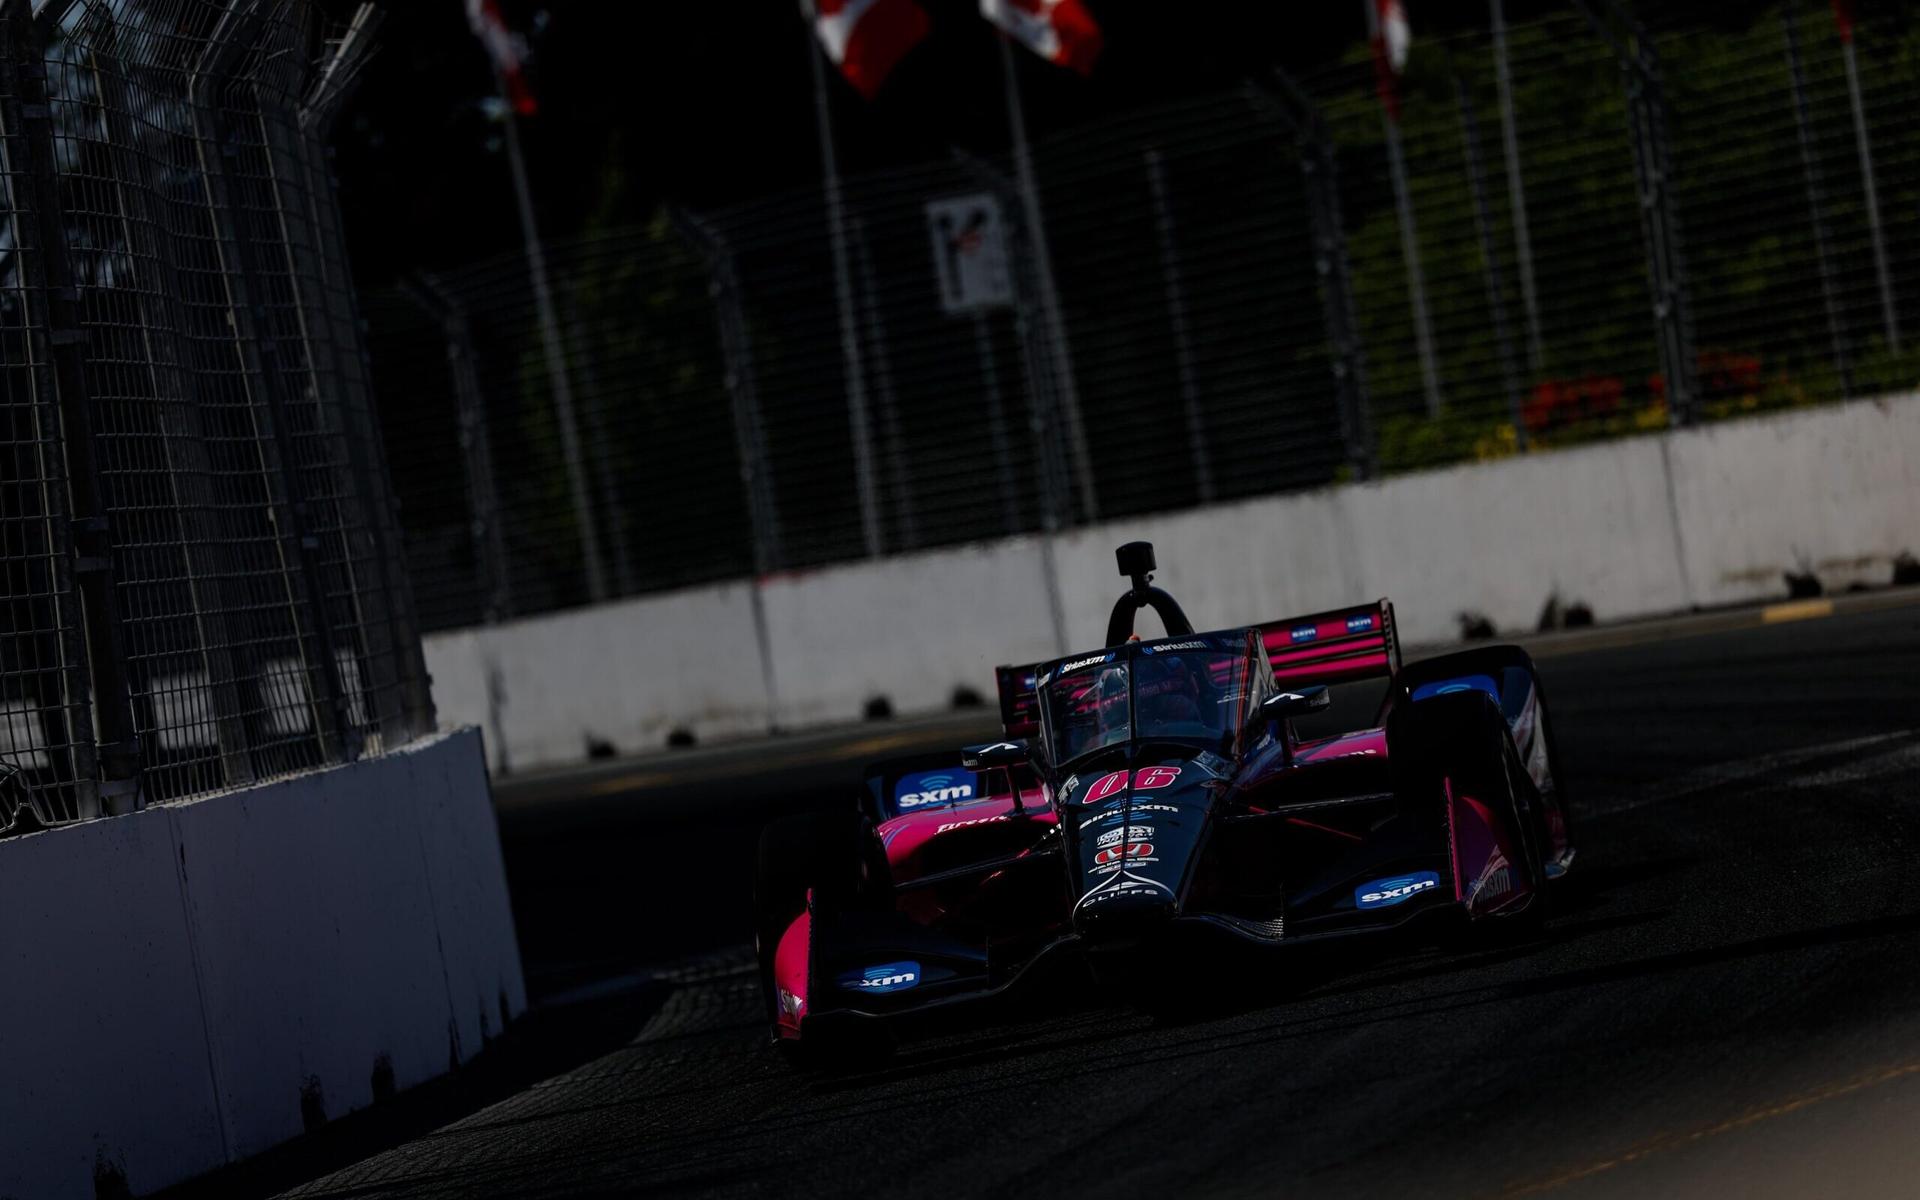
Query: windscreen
x=1188 y=690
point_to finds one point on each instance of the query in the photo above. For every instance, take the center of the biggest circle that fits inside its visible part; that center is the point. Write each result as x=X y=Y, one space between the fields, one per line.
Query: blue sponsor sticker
x=1302 y=633
x=934 y=789
x=1463 y=683
x=887 y=977
x=1359 y=624
x=1383 y=893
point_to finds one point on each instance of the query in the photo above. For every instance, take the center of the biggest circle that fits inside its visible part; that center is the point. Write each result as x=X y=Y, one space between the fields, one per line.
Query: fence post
x=763 y=515
x=209 y=565
x=1816 y=203
x=48 y=275
x=1346 y=355
x=260 y=362
x=1660 y=220
x=897 y=468
x=1863 y=144
x=1496 y=289
x=1177 y=313
x=1516 y=187
x=476 y=444
x=997 y=423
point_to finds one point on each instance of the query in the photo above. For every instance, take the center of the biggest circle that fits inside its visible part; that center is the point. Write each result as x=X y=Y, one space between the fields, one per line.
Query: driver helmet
x=1169 y=688
x=1110 y=702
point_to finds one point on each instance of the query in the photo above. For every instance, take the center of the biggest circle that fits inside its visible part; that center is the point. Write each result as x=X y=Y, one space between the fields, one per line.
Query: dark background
x=708 y=102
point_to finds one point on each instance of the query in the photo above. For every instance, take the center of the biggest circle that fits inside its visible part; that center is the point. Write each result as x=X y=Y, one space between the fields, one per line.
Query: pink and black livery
x=1158 y=800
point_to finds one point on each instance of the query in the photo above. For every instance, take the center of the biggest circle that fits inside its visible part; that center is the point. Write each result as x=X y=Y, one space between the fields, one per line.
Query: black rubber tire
x=1494 y=660
x=821 y=851
x=1464 y=737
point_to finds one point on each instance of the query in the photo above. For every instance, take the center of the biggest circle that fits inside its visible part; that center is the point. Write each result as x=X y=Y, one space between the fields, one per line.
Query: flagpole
x=1049 y=295
x=1409 y=233
x=563 y=415
x=858 y=420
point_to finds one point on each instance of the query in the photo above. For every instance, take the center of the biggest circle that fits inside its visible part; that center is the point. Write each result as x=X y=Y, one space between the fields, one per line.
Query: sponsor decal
x=1359 y=624
x=936 y=787
x=1302 y=633
x=1170 y=647
x=1496 y=881
x=1119 y=811
x=1383 y=893
x=1212 y=764
x=1123 y=885
x=887 y=977
x=1131 y=833
x=1091 y=660
x=946 y=825
x=1113 y=854
x=790 y=1004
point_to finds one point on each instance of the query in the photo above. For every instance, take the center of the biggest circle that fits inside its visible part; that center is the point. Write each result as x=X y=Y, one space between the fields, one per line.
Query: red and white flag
x=508 y=51
x=1843 y=18
x=1391 y=39
x=866 y=39
x=1060 y=31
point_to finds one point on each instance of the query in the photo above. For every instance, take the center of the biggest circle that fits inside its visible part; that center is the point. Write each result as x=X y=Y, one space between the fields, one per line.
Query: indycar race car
x=1156 y=799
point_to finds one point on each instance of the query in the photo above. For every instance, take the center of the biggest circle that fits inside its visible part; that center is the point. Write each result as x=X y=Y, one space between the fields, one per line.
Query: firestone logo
x=942 y=828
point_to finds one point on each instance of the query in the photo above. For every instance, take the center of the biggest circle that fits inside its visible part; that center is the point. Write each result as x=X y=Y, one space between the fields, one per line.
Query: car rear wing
x=1339 y=646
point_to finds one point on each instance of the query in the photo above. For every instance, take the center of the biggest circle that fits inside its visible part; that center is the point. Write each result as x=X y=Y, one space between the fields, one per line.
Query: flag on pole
x=1843 y=17
x=866 y=39
x=508 y=51
x=1060 y=31
x=1391 y=39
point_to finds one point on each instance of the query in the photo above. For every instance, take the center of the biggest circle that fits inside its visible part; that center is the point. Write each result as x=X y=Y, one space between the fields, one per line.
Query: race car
x=1155 y=799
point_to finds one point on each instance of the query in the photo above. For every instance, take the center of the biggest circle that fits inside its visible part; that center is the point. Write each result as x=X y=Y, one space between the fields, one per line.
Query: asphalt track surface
x=1727 y=1001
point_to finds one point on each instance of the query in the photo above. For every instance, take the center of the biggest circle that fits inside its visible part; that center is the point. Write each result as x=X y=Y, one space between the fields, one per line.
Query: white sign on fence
x=970 y=253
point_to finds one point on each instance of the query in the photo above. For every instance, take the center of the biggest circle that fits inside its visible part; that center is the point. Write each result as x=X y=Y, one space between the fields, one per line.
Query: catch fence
x=202 y=576
x=1608 y=226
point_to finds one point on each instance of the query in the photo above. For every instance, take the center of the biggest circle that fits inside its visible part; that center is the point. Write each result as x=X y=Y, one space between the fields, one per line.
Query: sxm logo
x=919 y=791
x=887 y=977
x=1382 y=893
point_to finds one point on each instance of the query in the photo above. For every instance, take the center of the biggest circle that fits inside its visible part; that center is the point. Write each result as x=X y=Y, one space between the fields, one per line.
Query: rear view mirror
x=1282 y=705
x=994 y=755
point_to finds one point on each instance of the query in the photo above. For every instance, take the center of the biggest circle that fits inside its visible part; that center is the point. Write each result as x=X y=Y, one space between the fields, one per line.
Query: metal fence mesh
x=176 y=250
x=1670 y=222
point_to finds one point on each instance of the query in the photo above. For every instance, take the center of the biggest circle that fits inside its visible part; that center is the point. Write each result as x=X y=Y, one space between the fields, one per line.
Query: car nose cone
x=1122 y=908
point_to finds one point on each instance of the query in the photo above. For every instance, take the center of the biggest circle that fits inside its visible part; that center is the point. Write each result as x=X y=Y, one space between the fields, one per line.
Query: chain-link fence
x=202 y=577
x=1600 y=227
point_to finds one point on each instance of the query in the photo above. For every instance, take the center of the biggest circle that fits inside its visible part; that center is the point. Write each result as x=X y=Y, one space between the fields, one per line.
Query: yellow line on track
x=1674 y=1140
x=1795 y=610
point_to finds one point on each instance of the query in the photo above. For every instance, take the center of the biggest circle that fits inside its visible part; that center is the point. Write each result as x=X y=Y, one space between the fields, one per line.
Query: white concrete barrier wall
x=191 y=984
x=1639 y=527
